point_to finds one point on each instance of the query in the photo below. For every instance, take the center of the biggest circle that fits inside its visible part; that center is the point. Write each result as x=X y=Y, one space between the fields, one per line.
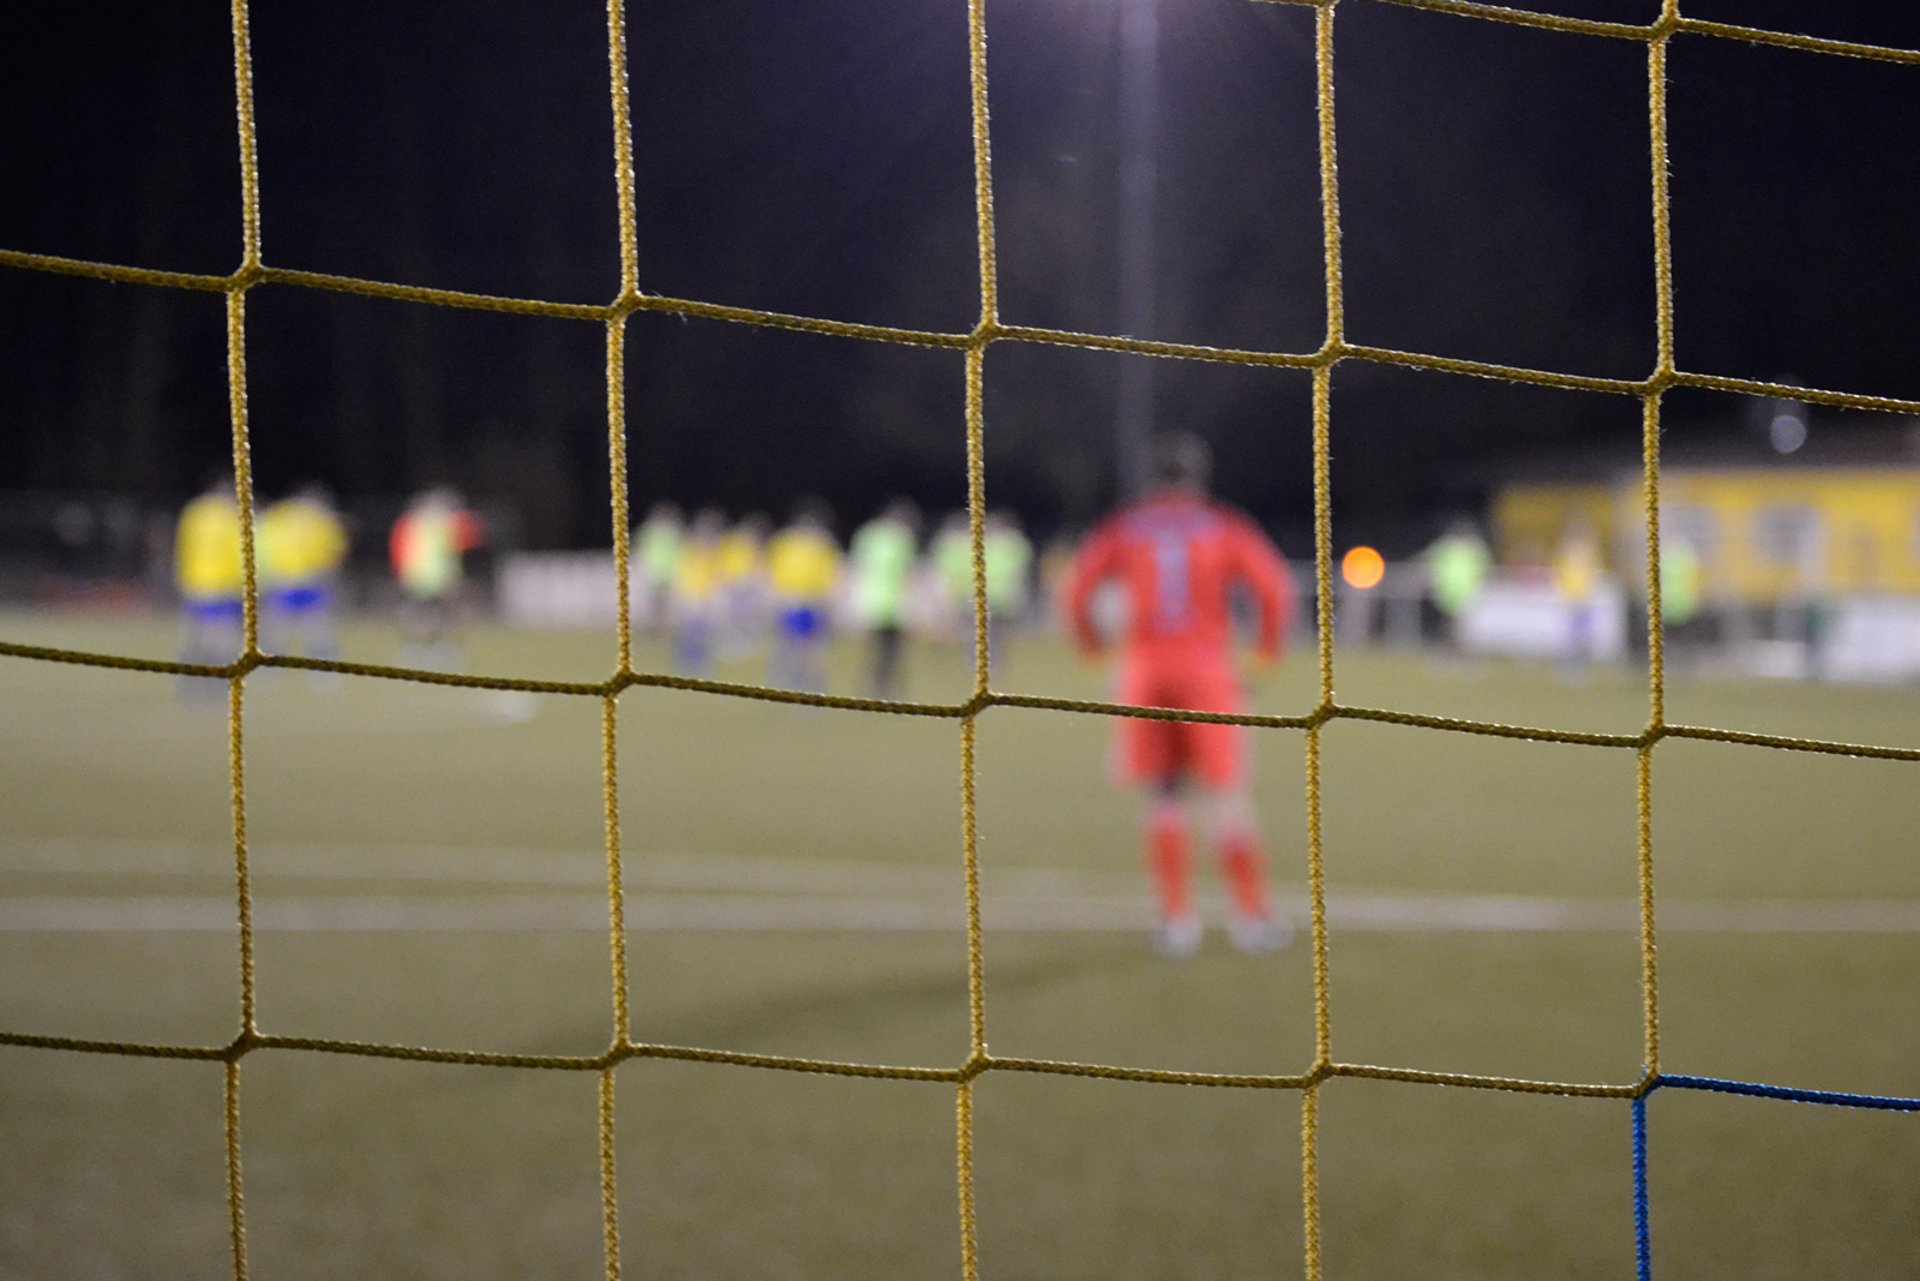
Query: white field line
x=552 y=912
x=668 y=891
x=835 y=912
x=434 y=711
x=563 y=868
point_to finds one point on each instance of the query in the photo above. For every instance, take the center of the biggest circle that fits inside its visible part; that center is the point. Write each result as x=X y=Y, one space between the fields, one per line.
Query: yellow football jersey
x=1576 y=567
x=802 y=564
x=299 y=540
x=696 y=574
x=739 y=556
x=206 y=549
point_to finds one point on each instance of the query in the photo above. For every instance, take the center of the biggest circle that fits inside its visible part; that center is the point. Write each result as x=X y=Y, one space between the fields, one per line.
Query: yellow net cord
x=254 y=272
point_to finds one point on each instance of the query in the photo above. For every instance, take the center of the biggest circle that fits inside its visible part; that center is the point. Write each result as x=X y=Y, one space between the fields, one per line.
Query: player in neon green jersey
x=656 y=550
x=1009 y=555
x=1680 y=576
x=953 y=571
x=1457 y=565
x=1681 y=591
x=881 y=559
x=427 y=547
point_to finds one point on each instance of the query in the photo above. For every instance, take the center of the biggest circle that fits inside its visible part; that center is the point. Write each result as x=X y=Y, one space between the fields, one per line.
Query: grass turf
x=383 y=797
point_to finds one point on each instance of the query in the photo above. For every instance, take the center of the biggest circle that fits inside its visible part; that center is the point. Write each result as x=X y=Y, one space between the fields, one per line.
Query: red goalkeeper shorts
x=1146 y=750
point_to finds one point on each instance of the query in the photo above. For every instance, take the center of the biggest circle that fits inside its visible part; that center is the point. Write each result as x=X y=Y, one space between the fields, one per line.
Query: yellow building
x=1764 y=533
x=1531 y=521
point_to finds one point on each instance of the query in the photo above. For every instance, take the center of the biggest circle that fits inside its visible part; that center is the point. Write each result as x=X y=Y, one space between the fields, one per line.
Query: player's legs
x=212 y=636
x=887 y=639
x=1221 y=766
x=1000 y=629
x=810 y=663
x=1580 y=640
x=427 y=620
x=693 y=644
x=797 y=662
x=1236 y=840
x=1152 y=756
x=780 y=661
x=740 y=620
x=656 y=603
x=321 y=623
x=1167 y=824
x=1213 y=757
x=277 y=625
x=320 y=617
x=303 y=623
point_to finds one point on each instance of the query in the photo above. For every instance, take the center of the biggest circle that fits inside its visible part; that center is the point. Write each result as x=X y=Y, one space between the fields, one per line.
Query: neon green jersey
x=1459 y=564
x=657 y=548
x=1009 y=564
x=1679 y=582
x=953 y=561
x=882 y=553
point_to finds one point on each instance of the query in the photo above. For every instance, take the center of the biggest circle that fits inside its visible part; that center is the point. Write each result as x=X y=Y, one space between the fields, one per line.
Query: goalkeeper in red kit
x=1178 y=556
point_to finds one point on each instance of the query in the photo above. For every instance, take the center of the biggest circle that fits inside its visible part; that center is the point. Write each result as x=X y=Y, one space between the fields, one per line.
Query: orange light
x=1362 y=567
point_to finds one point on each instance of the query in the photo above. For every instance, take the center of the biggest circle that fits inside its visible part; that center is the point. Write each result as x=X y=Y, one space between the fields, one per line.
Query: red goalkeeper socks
x=1168 y=860
x=1245 y=873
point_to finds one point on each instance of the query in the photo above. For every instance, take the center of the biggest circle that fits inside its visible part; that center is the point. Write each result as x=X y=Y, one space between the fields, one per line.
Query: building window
x=1697 y=527
x=1788 y=534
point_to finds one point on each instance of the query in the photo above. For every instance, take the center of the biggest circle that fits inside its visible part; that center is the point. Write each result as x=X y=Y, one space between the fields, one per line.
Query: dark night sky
x=816 y=158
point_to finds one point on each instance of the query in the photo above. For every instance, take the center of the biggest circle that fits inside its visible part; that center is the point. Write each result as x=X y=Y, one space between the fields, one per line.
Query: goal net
x=978 y=344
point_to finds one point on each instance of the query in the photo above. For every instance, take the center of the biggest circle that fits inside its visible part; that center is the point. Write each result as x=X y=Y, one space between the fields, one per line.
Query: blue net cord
x=1643 y=1246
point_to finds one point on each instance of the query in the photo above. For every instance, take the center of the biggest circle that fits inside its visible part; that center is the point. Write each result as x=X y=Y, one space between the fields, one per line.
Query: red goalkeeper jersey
x=1179 y=556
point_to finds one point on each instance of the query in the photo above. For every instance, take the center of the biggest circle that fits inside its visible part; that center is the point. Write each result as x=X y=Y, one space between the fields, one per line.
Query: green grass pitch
x=428 y=871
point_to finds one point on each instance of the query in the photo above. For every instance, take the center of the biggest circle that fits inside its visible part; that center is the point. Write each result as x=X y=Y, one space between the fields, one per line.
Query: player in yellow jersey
x=207 y=572
x=1577 y=570
x=803 y=569
x=743 y=585
x=301 y=546
x=694 y=598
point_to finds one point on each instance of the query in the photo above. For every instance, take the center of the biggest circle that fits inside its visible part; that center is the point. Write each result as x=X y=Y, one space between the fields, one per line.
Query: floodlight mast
x=1139 y=180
